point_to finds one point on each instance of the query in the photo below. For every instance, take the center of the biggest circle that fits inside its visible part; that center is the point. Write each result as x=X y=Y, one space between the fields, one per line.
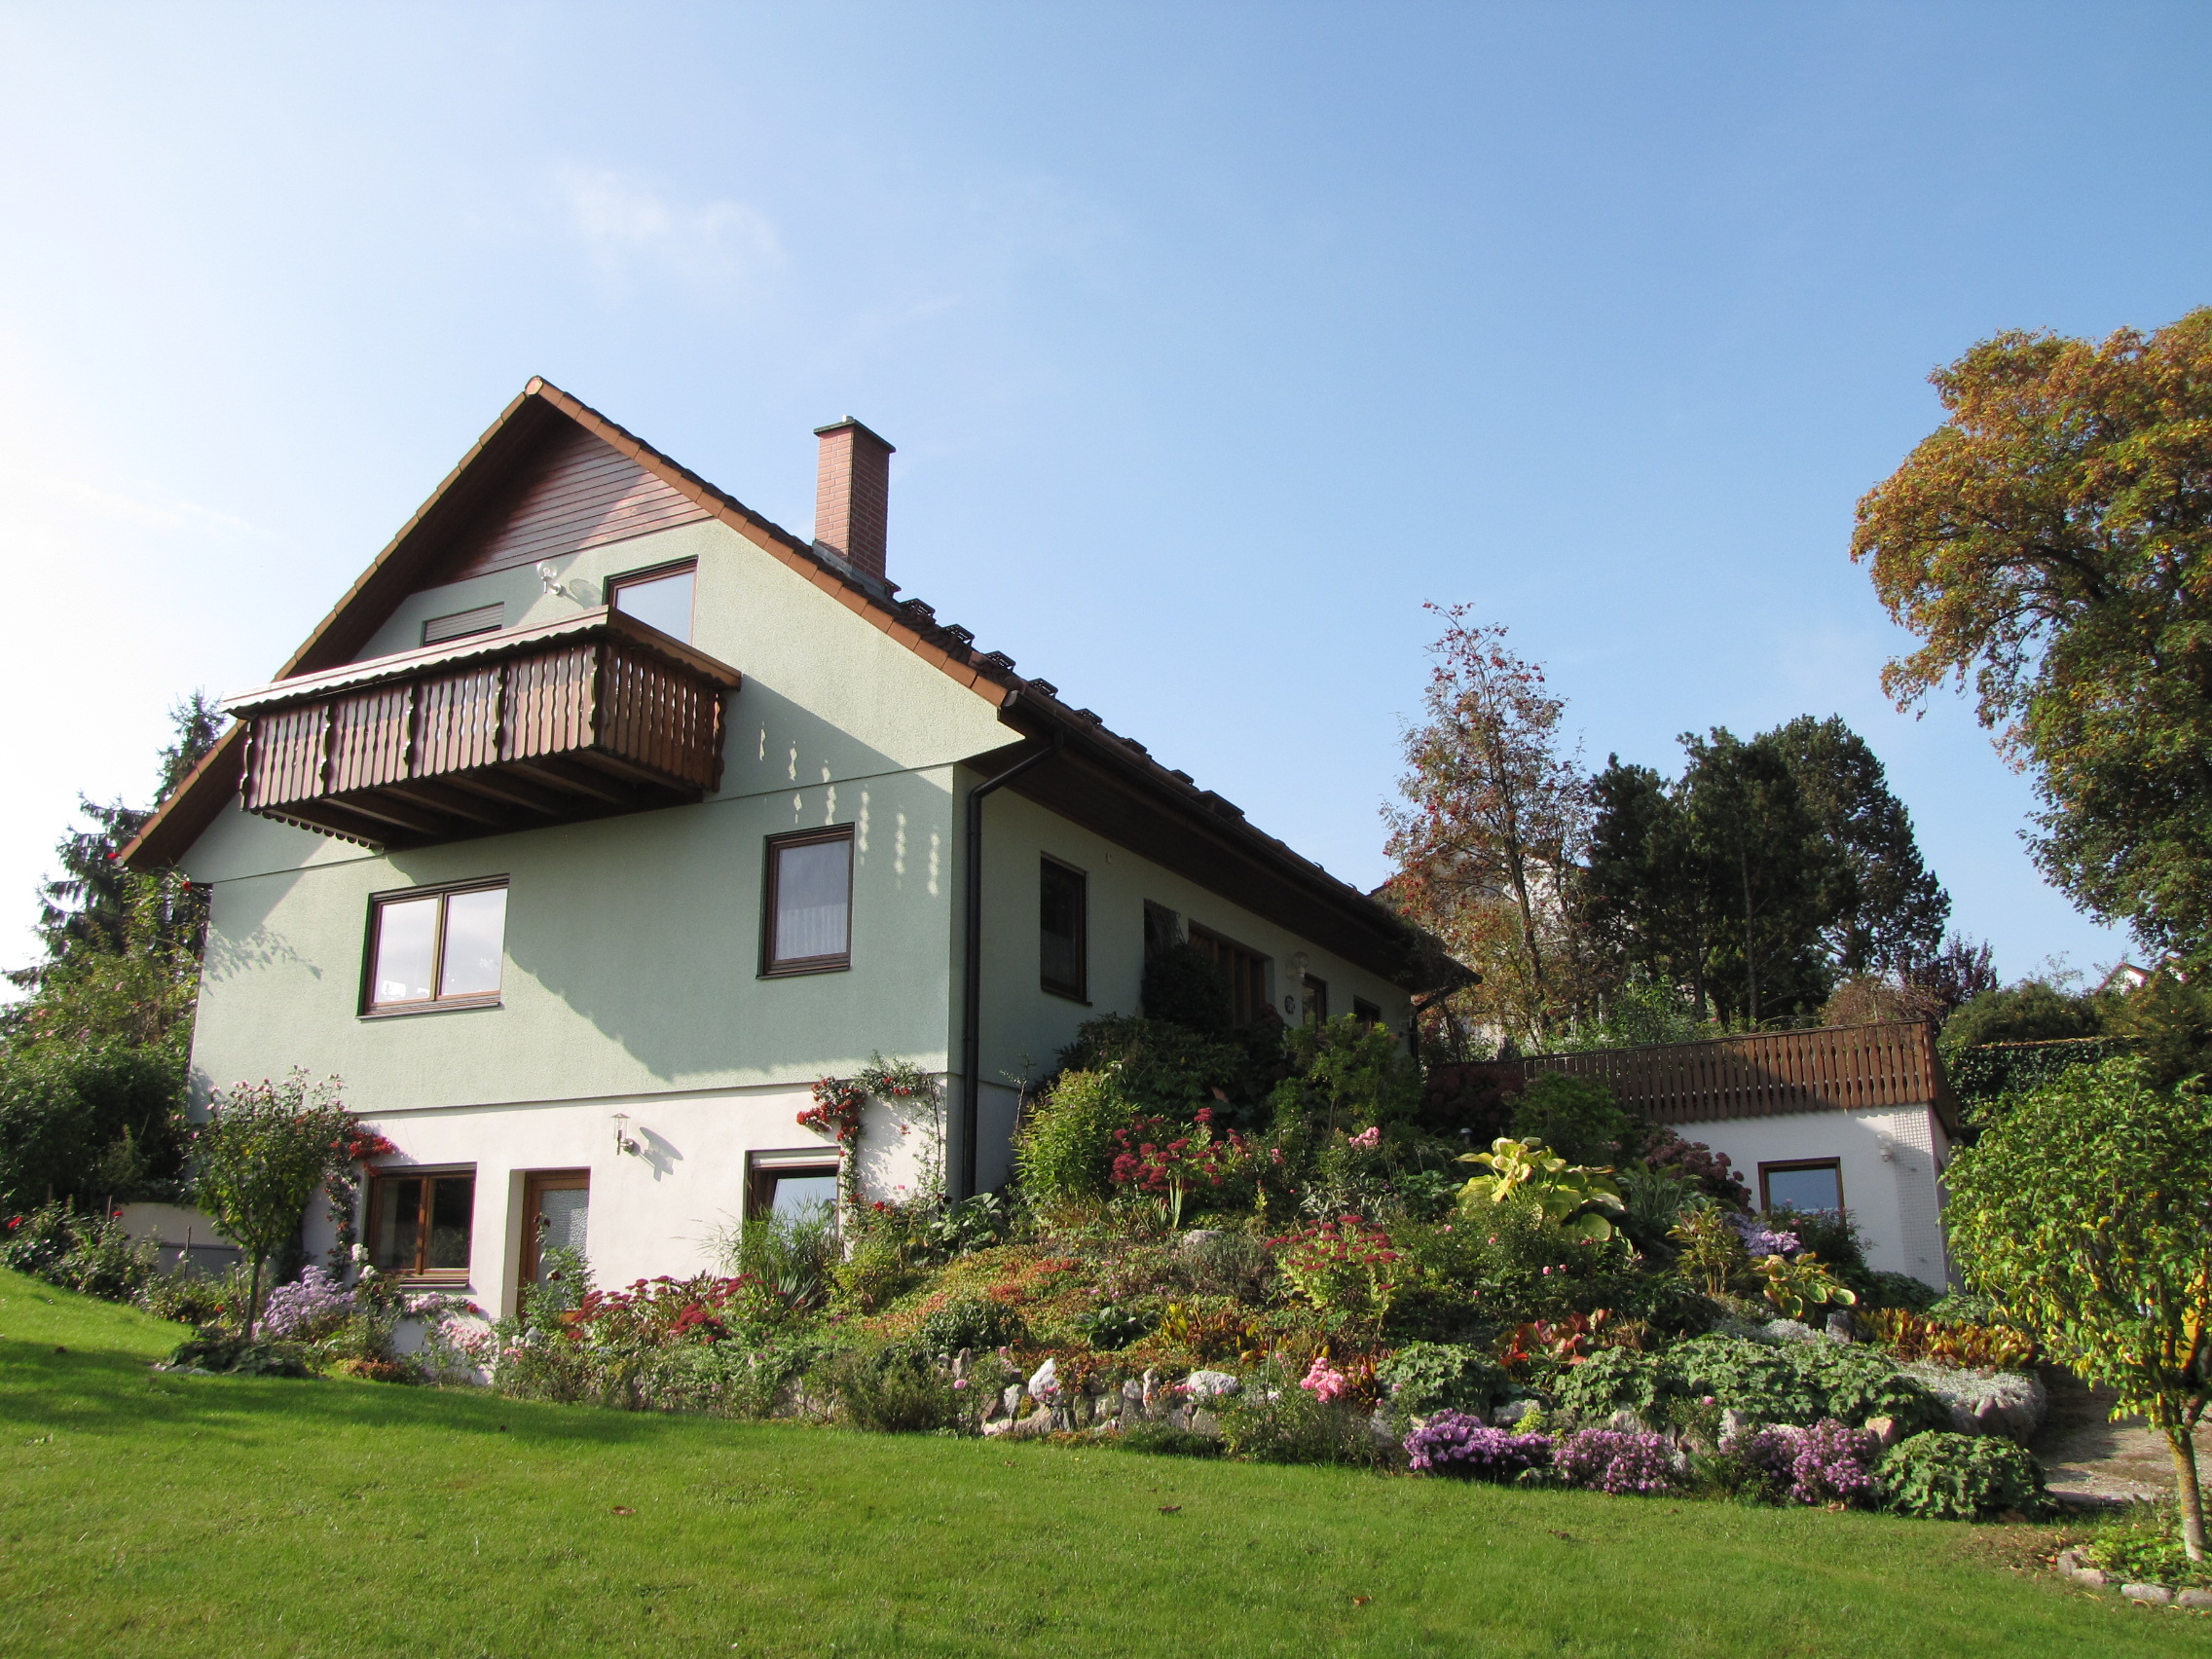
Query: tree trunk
x=1520 y=873
x=254 y=1298
x=2183 y=1444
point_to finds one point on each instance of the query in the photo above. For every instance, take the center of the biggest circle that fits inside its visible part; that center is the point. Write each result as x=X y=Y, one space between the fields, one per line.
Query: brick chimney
x=852 y=495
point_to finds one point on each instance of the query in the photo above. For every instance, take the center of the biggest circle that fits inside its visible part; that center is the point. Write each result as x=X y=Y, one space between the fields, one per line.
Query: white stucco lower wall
x=1891 y=1162
x=658 y=1210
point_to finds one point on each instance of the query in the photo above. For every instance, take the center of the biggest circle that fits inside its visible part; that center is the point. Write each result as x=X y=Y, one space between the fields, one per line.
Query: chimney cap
x=859 y=425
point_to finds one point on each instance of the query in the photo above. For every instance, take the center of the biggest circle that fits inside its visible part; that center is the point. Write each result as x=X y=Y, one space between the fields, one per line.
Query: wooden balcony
x=583 y=718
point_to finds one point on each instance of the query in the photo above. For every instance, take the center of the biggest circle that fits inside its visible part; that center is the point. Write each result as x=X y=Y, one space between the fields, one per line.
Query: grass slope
x=144 y=1514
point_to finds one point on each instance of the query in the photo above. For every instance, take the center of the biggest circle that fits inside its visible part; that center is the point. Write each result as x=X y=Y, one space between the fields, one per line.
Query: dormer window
x=659 y=597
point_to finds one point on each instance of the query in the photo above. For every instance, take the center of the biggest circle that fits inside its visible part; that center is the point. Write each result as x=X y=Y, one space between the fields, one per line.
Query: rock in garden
x=1508 y=1414
x=1010 y=1400
x=2154 y=1592
x=1045 y=1380
x=1197 y=1236
x=1209 y=1385
x=1884 y=1429
x=2195 y=1598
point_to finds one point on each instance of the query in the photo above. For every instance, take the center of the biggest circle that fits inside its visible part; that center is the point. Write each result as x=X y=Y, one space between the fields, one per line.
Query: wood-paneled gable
x=578 y=493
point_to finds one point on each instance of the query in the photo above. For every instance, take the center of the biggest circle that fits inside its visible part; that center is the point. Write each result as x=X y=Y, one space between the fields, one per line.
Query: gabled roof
x=1097 y=777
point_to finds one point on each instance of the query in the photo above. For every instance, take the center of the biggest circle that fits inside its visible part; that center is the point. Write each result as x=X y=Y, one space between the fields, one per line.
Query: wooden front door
x=556 y=1207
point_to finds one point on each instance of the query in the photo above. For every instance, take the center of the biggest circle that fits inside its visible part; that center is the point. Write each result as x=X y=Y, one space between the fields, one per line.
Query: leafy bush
x=1430 y=1376
x=895 y=1390
x=1879 y=1289
x=1224 y=1263
x=1111 y=1325
x=1801 y=1383
x=1452 y=1443
x=793 y=1256
x=1162 y=1067
x=2030 y=1011
x=1610 y=1380
x=1162 y=1441
x=1349 y=1075
x=1181 y=987
x=234 y=1355
x=1576 y=1117
x=2144 y=1547
x=88 y=1124
x=87 y=1251
x=974 y=1323
x=1342 y=1266
x=1959 y=1477
x=1606 y=1459
x=1066 y=1148
x=1271 y=1420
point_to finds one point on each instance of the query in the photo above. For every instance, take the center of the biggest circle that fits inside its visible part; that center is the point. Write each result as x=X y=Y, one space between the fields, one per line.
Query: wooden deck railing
x=504 y=731
x=1835 y=1068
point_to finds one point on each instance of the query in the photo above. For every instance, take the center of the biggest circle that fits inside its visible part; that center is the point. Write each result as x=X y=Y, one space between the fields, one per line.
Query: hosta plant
x=1579 y=1201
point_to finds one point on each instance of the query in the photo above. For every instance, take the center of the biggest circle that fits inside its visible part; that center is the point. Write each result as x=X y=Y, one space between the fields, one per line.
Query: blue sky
x=1214 y=339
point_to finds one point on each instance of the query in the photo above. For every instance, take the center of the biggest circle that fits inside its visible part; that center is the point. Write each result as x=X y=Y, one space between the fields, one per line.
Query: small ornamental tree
x=2086 y=1213
x=259 y=1157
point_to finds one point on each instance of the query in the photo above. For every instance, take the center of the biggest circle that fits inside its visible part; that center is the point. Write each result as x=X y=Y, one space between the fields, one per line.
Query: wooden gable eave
x=475 y=484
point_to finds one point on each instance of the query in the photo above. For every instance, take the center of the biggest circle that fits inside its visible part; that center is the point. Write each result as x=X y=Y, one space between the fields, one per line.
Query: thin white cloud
x=631 y=229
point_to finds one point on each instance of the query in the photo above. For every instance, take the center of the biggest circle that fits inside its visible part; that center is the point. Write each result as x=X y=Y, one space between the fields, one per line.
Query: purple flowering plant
x=1615 y=1460
x=1453 y=1443
x=1830 y=1463
x=307 y=1306
x=1761 y=1240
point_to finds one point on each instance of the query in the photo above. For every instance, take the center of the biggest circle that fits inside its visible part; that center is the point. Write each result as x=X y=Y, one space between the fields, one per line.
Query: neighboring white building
x=1852 y=1117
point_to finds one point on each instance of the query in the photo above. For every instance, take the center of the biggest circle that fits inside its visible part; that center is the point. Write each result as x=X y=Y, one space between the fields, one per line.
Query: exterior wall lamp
x=623 y=1142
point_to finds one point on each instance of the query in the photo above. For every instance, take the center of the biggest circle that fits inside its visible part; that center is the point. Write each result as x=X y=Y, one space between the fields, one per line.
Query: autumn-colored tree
x=2050 y=540
x=1495 y=809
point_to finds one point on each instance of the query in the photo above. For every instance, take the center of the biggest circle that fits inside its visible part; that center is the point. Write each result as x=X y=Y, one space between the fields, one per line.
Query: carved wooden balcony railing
x=581 y=718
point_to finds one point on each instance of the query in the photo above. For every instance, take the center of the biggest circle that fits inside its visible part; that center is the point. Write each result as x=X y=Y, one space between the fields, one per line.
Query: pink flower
x=1323 y=1381
x=1367 y=1140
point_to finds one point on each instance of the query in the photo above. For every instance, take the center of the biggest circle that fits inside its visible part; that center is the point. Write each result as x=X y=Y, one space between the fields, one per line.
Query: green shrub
x=1957 y=1477
x=1066 y=1149
x=895 y=1390
x=1801 y=1383
x=1610 y=1380
x=1431 y=1377
x=1271 y=1419
x=2144 y=1547
x=1882 y=1289
x=874 y=1274
x=1576 y=1117
x=1181 y=987
x=1160 y=1067
x=974 y=1323
x=88 y=1124
x=84 y=1251
x=2030 y=1011
x=1111 y=1325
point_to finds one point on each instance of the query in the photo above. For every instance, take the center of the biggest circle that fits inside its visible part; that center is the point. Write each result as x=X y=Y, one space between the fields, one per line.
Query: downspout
x=963 y=1158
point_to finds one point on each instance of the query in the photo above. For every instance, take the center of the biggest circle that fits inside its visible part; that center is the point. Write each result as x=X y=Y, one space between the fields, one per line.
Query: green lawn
x=180 y=1516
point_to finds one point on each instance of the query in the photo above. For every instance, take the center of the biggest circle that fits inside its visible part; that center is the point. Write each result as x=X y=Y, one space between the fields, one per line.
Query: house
x=601 y=817
x=1858 y=1117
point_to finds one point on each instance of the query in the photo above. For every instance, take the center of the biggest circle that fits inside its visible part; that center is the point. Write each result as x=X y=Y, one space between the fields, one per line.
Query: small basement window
x=1804 y=1184
x=809 y=922
x=462 y=624
x=419 y=1222
x=1062 y=923
x=659 y=597
x=437 y=948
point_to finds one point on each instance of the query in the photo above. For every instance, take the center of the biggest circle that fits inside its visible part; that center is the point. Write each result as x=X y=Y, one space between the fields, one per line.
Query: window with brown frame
x=1314 y=1000
x=1802 y=1184
x=419 y=1222
x=435 y=947
x=659 y=597
x=556 y=1214
x=808 y=923
x=1063 y=929
x=1243 y=974
x=789 y=1185
x=1364 y=1012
